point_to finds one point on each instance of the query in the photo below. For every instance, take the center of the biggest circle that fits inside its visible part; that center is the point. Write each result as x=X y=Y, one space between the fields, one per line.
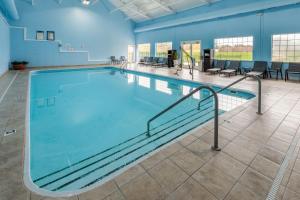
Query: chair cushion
x=214 y=70
x=228 y=71
x=254 y=73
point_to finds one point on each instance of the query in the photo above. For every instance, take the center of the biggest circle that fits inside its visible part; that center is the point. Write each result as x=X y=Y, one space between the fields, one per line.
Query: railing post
x=216 y=123
x=259 y=96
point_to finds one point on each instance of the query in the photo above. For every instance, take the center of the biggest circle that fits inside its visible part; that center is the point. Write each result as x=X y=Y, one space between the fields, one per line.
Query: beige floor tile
x=170 y=150
x=188 y=140
x=265 y=166
x=153 y=160
x=143 y=187
x=278 y=144
x=228 y=165
x=191 y=190
x=256 y=182
x=214 y=180
x=168 y=175
x=297 y=166
x=250 y=144
x=294 y=182
x=100 y=192
x=202 y=149
x=117 y=195
x=209 y=139
x=240 y=192
x=286 y=177
x=284 y=136
x=227 y=133
x=240 y=153
x=272 y=155
x=198 y=133
x=290 y=195
x=187 y=161
x=129 y=175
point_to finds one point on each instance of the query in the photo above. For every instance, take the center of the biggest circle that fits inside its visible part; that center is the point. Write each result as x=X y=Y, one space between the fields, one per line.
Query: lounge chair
x=233 y=68
x=160 y=62
x=142 y=61
x=259 y=69
x=114 y=60
x=155 y=61
x=219 y=65
x=123 y=59
x=276 y=67
x=149 y=61
x=294 y=68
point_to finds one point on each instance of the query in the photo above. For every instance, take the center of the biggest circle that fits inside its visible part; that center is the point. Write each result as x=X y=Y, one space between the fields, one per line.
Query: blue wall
x=4 y=45
x=92 y=29
x=261 y=26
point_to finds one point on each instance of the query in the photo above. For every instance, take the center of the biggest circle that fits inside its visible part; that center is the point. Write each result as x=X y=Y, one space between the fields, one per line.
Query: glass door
x=131 y=53
x=193 y=48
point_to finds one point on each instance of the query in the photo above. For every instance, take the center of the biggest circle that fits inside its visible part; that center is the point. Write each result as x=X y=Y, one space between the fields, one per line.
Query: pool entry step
x=97 y=167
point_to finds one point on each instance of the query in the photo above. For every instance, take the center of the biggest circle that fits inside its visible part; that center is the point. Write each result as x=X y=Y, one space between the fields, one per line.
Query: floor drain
x=10 y=132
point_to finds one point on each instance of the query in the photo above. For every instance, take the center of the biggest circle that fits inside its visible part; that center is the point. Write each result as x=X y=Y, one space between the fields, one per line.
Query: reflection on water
x=131 y=78
x=162 y=86
x=226 y=102
x=144 y=81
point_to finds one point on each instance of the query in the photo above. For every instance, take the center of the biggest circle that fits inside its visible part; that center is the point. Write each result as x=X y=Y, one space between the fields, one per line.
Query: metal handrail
x=236 y=82
x=193 y=60
x=216 y=143
x=216 y=114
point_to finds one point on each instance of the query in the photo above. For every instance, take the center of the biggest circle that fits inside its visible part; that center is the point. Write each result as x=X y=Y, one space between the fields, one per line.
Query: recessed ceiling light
x=86 y=2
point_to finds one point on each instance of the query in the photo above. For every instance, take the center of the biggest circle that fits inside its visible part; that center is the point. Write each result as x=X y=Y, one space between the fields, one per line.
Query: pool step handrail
x=216 y=101
x=236 y=82
x=216 y=113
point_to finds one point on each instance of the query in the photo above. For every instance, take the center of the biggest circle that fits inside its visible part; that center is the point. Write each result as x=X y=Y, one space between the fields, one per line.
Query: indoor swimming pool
x=87 y=125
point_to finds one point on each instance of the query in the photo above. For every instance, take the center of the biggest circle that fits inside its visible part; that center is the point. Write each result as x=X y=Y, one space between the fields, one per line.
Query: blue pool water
x=87 y=124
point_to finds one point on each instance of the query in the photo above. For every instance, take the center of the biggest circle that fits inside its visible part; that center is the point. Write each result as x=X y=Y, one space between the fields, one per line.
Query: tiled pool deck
x=253 y=149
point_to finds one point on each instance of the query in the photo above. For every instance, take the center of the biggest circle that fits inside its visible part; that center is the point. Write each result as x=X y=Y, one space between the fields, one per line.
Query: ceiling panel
x=142 y=10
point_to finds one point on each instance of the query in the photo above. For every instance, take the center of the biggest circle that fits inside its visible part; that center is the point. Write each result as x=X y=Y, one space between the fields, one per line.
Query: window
x=131 y=53
x=193 y=48
x=144 y=50
x=286 y=47
x=161 y=49
x=238 y=48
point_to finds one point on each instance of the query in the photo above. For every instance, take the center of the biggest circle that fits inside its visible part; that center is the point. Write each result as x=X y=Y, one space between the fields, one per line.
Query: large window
x=237 y=48
x=131 y=53
x=286 y=47
x=161 y=49
x=144 y=50
x=193 y=48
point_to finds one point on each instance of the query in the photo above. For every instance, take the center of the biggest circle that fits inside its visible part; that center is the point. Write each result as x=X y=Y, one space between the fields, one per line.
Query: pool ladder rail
x=216 y=103
x=94 y=168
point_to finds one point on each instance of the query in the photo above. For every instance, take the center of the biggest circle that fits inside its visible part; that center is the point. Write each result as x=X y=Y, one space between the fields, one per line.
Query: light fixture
x=86 y=2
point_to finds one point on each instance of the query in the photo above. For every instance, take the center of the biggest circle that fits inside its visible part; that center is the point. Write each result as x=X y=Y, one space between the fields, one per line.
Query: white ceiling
x=142 y=10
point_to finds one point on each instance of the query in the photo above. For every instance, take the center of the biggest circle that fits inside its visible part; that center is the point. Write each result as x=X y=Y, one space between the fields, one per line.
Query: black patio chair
x=218 y=65
x=294 y=68
x=233 y=68
x=276 y=67
x=259 y=69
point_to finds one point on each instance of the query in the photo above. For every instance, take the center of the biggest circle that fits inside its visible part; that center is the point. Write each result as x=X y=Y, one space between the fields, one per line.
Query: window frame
x=170 y=42
x=235 y=40
x=138 y=50
x=280 y=58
